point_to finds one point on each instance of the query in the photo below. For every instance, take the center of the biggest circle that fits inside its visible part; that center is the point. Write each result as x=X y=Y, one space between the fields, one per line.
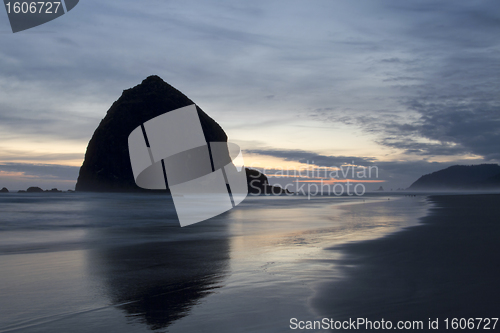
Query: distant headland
x=460 y=177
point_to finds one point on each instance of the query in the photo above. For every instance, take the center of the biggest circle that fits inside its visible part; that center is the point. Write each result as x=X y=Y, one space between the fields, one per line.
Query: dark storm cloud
x=444 y=127
x=463 y=125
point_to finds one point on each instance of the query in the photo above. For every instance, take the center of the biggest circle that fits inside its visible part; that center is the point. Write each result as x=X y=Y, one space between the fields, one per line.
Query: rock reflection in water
x=158 y=283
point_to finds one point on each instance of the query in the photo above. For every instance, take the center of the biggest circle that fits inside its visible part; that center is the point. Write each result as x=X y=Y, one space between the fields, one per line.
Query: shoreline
x=444 y=267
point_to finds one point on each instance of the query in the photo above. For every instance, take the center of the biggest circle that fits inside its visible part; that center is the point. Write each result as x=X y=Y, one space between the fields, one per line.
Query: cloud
x=420 y=77
x=397 y=174
x=7 y=155
x=445 y=77
x=44 y=171
x=309 y=157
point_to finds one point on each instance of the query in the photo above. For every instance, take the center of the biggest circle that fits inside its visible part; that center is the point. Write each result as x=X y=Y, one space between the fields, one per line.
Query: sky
x=410 y=87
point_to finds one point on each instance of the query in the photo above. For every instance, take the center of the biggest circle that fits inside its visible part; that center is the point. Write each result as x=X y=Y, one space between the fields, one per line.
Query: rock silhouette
x=460 y=177
x=107 y=167
x=4 y=190
x=34 y=189
x=259 y=184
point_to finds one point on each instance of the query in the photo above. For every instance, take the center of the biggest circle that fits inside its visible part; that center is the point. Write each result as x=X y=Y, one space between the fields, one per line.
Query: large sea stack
x=107 y=167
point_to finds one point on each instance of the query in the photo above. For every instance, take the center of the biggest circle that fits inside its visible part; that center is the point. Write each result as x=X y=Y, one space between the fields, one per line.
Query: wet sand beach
x=446 y=267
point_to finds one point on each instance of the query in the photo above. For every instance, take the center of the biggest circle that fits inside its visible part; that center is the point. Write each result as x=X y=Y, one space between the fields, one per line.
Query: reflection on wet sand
x=158 y=283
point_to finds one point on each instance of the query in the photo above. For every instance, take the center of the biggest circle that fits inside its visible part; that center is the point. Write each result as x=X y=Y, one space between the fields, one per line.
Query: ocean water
x=84 y=262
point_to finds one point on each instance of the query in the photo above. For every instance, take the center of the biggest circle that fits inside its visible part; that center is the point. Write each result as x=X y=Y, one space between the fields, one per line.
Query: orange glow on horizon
x=333 y=181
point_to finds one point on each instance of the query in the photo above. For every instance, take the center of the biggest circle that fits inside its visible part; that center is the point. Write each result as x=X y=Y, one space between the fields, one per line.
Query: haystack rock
x=107 y=167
